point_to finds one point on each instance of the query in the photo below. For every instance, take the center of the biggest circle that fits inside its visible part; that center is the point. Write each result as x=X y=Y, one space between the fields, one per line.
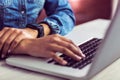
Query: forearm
x=60 y=16
x=33 y=32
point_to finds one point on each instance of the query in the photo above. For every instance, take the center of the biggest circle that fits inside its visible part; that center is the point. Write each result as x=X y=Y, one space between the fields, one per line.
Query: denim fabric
x=19 y=13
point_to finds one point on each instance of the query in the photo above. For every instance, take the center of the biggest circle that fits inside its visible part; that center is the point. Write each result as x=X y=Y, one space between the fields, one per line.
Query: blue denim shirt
x=19 y=13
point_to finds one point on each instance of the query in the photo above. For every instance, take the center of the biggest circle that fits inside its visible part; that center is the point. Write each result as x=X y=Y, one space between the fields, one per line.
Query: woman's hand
x=48 y=46
x=11 y=37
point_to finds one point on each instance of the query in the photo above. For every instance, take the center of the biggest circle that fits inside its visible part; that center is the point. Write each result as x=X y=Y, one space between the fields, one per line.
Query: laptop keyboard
x=88 y=48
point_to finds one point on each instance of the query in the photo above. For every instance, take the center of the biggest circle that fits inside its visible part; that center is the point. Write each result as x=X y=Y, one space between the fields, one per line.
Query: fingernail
x=3 y=56
x=64 y=62
x=78 y=57
x=9 y=51
x=83 y=55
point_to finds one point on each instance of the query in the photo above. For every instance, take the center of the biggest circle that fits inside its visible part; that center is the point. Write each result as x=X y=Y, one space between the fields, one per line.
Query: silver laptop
x=100 y=53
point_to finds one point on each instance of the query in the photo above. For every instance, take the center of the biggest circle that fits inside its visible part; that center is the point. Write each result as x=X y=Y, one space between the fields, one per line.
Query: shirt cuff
x=54 y=29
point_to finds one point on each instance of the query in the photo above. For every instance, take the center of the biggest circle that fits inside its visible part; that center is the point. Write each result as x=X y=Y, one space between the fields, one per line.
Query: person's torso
x=18 y=13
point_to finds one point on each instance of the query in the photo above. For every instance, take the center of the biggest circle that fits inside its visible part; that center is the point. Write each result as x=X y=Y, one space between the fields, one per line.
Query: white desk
x=80 y=34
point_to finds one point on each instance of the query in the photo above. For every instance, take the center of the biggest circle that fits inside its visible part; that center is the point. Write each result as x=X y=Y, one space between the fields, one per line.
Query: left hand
x=11 y=37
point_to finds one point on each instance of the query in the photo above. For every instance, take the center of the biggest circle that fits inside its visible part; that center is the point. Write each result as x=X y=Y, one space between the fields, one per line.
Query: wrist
x=23 y=47
x=37 y=27
x=33 y=32
x=47 y=30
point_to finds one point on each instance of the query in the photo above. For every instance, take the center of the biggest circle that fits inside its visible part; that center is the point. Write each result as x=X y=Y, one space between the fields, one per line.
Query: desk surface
x=84 y=32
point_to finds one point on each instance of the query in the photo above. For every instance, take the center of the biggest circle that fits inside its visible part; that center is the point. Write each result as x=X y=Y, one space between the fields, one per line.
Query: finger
x=15 y=42
x=58 y=59
x=65 y=39
x=3 y=40
x=68 y=40
x=68 y=45
x=1 y=43
x=64 y=50
x=8 y=42
x=3 y=37
x=3 y=31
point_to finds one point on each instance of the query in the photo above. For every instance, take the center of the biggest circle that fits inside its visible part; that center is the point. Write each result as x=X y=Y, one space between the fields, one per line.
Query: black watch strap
x=37 y=27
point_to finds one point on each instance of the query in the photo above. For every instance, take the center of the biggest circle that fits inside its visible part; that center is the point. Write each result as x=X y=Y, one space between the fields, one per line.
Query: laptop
x=100 y=53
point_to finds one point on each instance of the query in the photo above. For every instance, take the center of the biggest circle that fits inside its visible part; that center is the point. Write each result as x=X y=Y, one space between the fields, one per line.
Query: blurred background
x=86 y=10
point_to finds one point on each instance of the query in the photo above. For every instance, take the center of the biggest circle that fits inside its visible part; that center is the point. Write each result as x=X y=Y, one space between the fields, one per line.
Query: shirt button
x=22 y=12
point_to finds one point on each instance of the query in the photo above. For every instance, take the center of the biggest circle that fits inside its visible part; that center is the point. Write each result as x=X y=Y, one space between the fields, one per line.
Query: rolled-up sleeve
x=60 y=16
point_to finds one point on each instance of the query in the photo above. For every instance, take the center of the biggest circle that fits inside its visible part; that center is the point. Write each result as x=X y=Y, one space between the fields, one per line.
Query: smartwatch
x=37 y=27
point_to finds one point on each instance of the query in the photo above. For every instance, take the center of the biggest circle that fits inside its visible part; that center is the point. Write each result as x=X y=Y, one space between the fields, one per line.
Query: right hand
x=48 y=46
x=11 y=37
